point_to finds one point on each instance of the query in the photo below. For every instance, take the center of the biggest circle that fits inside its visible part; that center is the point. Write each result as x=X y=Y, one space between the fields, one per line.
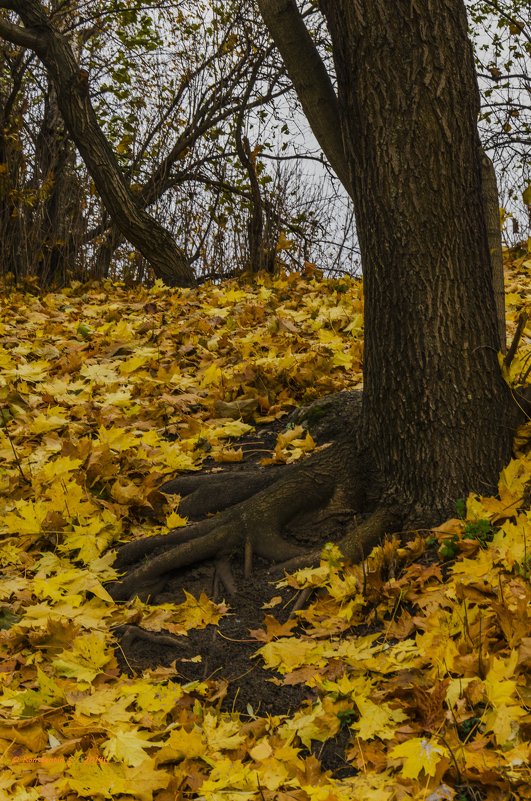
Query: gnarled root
x=206 y=493
x=322 y=485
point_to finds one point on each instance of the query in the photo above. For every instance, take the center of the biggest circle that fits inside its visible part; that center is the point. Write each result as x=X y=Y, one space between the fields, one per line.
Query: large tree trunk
x=71 y=84
x=435 y=407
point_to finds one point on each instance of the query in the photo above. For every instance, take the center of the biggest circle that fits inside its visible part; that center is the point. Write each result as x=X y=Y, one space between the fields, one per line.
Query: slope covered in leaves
x=420 y=653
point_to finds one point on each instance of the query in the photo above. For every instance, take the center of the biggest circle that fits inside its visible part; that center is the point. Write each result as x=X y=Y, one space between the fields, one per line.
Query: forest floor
x=227 y=648
x=404 y=677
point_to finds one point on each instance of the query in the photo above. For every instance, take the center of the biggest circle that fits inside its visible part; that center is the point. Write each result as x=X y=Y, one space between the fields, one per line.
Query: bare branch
x=18 y=35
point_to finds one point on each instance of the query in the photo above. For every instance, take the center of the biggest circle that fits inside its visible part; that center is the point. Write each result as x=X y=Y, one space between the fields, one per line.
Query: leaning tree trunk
x=435 y=405
x=155 y=243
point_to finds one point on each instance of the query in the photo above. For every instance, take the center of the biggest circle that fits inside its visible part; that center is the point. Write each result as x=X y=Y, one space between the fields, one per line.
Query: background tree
x=501 y=33
x=435 y=421
x=173 y=90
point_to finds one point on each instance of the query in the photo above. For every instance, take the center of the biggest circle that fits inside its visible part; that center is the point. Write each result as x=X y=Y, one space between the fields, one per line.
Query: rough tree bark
x=72 y=88
x=58 y=222
x=435 y=405
x=435 y=420
x=13 y=257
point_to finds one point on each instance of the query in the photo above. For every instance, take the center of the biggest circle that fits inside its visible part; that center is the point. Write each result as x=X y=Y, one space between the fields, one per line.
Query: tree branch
x=18 y=35
x=310 y=79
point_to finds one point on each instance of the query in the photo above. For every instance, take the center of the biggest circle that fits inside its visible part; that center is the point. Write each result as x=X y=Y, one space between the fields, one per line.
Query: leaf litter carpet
x=403 y=678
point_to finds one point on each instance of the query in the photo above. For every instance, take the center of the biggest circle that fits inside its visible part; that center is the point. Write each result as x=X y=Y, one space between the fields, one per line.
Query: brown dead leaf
x=402 y=627
x=227 y=455
x=368 y=755
x=430 y=705
x=29 y=733
x=514 y=623
x=524 y=653
x=302 y=675
x=273 y=629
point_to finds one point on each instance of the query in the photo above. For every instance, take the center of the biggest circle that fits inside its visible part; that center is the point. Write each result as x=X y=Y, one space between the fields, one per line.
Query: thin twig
x=522 y=320
x=15 y=454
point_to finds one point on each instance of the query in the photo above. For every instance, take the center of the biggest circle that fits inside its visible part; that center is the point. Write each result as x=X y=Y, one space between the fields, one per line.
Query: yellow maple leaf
x=108 y=704
x=222 y=734
x=316 y=724
x=58 y=468
x=100 y=374
x=69 y=498
x=481 y=566
x=122 y=331
x=512 y=540
x=156 y=698
x=504 y=723
x=129 y=746
x=93 y=778
x=182 y=744
x=514 y=477
x=86 y=658
x=212 y=376
x=121 y=398
x=231 y=428
x=73 y=584
x=91 y=539
x=27 y=519
x=271 y=772
x=116 y=438
x=419 y=754
x=175 y=520
x=32 y=372
x=291 y=652
x=173 y=458
x=342 y=359
x=261 y=751
x=230 y=780
x=6 y=359
x=134 y=363
x=373 y=787
x=89 y=615
x=377 y=720
x=193 y=613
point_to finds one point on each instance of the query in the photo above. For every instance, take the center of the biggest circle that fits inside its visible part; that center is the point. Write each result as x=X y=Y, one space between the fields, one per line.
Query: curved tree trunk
x=71 y=84
x=435 y=407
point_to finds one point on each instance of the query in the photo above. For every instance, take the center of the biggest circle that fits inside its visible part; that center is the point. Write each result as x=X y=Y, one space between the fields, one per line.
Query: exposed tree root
x=263 y=513
x=261 y=505
x=256 y=510
x=212 y=492
x=129 y=634
x=358 y=541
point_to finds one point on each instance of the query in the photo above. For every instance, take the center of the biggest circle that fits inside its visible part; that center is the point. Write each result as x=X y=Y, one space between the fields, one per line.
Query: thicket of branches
x=208 y=136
